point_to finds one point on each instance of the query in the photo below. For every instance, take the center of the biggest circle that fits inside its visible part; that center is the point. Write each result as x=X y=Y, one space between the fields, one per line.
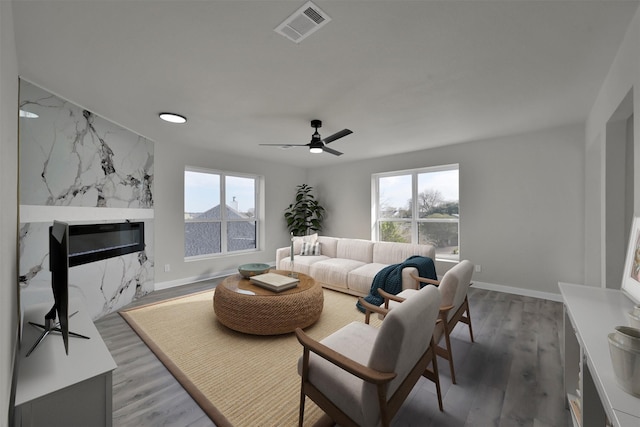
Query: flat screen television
x=59 y=267
x=73 y=245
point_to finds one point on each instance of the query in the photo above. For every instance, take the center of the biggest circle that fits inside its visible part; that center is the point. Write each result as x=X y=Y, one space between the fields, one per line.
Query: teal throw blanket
x=390 y=278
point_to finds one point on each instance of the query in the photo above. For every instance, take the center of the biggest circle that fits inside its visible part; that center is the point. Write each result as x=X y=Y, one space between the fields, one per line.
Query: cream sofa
x=349 y=265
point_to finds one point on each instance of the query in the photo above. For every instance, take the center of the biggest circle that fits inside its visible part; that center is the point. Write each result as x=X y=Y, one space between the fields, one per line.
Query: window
x=418 y=206
x=210 y=228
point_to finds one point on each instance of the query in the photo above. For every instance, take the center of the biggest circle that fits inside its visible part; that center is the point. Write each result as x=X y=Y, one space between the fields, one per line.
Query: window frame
x=414 y=220
x=223 y=220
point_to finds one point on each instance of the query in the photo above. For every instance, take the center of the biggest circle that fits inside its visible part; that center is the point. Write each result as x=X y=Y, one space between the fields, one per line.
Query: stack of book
x=274 y=282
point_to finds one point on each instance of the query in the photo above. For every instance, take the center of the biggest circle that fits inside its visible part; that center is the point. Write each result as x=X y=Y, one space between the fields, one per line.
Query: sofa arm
x=409 y=282
x=282 y=253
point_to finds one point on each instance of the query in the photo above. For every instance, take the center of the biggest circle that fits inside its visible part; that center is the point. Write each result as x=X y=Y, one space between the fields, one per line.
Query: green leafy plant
x=305 y=215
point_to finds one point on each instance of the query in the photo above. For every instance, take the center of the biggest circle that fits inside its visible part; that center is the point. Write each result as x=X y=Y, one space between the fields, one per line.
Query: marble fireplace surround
x=79 y=168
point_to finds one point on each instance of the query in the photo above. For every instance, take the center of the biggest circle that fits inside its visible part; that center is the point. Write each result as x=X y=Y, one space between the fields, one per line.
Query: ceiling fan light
x=172 y=118
x=315 y=150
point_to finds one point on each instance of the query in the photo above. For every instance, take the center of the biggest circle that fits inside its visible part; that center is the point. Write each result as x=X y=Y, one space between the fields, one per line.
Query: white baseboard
x=481 y=285
x=188 y=280
x=518 y=291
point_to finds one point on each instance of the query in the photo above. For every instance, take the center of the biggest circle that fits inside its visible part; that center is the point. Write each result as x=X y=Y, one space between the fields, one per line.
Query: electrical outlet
x=167 y=268
x=478 y=268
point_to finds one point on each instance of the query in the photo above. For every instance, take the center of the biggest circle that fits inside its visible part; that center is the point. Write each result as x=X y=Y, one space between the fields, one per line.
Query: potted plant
x=305 y=215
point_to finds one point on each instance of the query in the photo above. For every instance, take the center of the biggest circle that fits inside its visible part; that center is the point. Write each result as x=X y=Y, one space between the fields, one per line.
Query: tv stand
x=50 y=326
x=64 y=390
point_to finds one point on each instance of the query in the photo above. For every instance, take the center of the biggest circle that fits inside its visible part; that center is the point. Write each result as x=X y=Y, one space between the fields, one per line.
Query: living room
x=531 y=197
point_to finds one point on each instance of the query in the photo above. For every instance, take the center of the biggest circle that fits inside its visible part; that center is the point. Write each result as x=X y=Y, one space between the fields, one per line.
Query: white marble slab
x=80 y=168
x=72 y=157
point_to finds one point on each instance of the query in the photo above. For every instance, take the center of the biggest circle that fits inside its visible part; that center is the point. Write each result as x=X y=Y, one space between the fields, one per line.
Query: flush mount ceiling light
x=28 y=114
x=172 y=118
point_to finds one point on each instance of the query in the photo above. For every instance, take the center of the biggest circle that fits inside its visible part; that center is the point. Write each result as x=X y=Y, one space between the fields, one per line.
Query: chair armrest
x=370 y=308
x=389 y=297
x=373 y=308
x=425 y=280
x=445 y=309
x=364 y=372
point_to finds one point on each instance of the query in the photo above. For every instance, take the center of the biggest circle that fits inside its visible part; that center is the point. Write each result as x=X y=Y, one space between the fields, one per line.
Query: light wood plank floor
x=510 y=376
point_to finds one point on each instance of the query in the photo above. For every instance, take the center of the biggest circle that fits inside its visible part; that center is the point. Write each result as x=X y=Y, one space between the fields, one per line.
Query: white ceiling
x=403 y=75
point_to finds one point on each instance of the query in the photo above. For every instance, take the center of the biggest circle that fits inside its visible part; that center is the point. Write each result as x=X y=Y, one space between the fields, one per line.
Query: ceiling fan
x=318 y=144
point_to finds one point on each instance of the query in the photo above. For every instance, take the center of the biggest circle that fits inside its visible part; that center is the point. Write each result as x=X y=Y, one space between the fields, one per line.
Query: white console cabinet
x=593 y=394
x=54 y=389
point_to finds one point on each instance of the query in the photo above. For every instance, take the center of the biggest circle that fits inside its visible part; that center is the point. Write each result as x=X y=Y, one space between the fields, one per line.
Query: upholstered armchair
x=360 y=375
x=453 y=288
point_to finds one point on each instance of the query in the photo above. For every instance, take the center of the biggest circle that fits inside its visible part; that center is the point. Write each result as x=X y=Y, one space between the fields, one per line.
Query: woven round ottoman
x=244 y=307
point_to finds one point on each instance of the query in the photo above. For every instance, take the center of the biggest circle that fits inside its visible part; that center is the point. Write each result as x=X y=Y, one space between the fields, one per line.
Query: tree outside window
x=419 y=206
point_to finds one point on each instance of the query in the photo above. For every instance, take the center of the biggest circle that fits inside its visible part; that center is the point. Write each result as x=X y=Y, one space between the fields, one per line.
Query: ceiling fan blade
x=331 y=150
x=286 y=145
x=337 y=135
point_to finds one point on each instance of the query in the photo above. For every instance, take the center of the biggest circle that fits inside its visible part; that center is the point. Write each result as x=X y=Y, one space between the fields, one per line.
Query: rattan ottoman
x=244 y=307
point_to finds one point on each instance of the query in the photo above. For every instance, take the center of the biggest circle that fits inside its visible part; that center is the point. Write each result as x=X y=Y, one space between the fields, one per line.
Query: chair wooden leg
x=453 y=372
x=468 y=320
x=437 y=381
x=303 y=377
x=301 y=414
x=433 y=374
x=448 y=353
x=382 y=403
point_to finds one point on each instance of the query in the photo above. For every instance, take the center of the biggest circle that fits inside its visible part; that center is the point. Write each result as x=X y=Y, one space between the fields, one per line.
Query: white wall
x=521 y=204
x=171 y=159
x=623 y=78
x=9 y=211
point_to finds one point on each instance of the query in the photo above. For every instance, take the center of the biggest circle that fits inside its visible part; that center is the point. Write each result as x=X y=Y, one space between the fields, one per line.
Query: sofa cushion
x=328 y=246
x=301 y=263
x=309 y=248
x=355 y=249
x=298 y=241
x=333 y=271
x=361 y=278
x=395 y=253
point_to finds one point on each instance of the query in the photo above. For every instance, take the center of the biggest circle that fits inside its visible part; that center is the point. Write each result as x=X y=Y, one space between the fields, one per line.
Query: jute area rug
x=238 y=379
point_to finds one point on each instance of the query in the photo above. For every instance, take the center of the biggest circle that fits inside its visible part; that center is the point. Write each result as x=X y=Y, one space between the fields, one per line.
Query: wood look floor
x=510 y=376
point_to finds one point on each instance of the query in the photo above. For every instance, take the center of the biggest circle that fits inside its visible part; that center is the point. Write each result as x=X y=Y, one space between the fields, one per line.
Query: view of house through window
x=419 y=206
x=211 y=227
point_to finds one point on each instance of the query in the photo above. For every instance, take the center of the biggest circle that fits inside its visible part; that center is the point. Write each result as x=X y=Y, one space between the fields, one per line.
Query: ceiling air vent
x=304 y=22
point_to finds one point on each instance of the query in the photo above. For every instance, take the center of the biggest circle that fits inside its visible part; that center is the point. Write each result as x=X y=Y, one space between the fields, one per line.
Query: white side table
x=590 y=314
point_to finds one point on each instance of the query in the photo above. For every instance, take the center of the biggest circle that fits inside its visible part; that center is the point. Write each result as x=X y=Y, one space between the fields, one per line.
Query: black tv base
x=50 y=326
